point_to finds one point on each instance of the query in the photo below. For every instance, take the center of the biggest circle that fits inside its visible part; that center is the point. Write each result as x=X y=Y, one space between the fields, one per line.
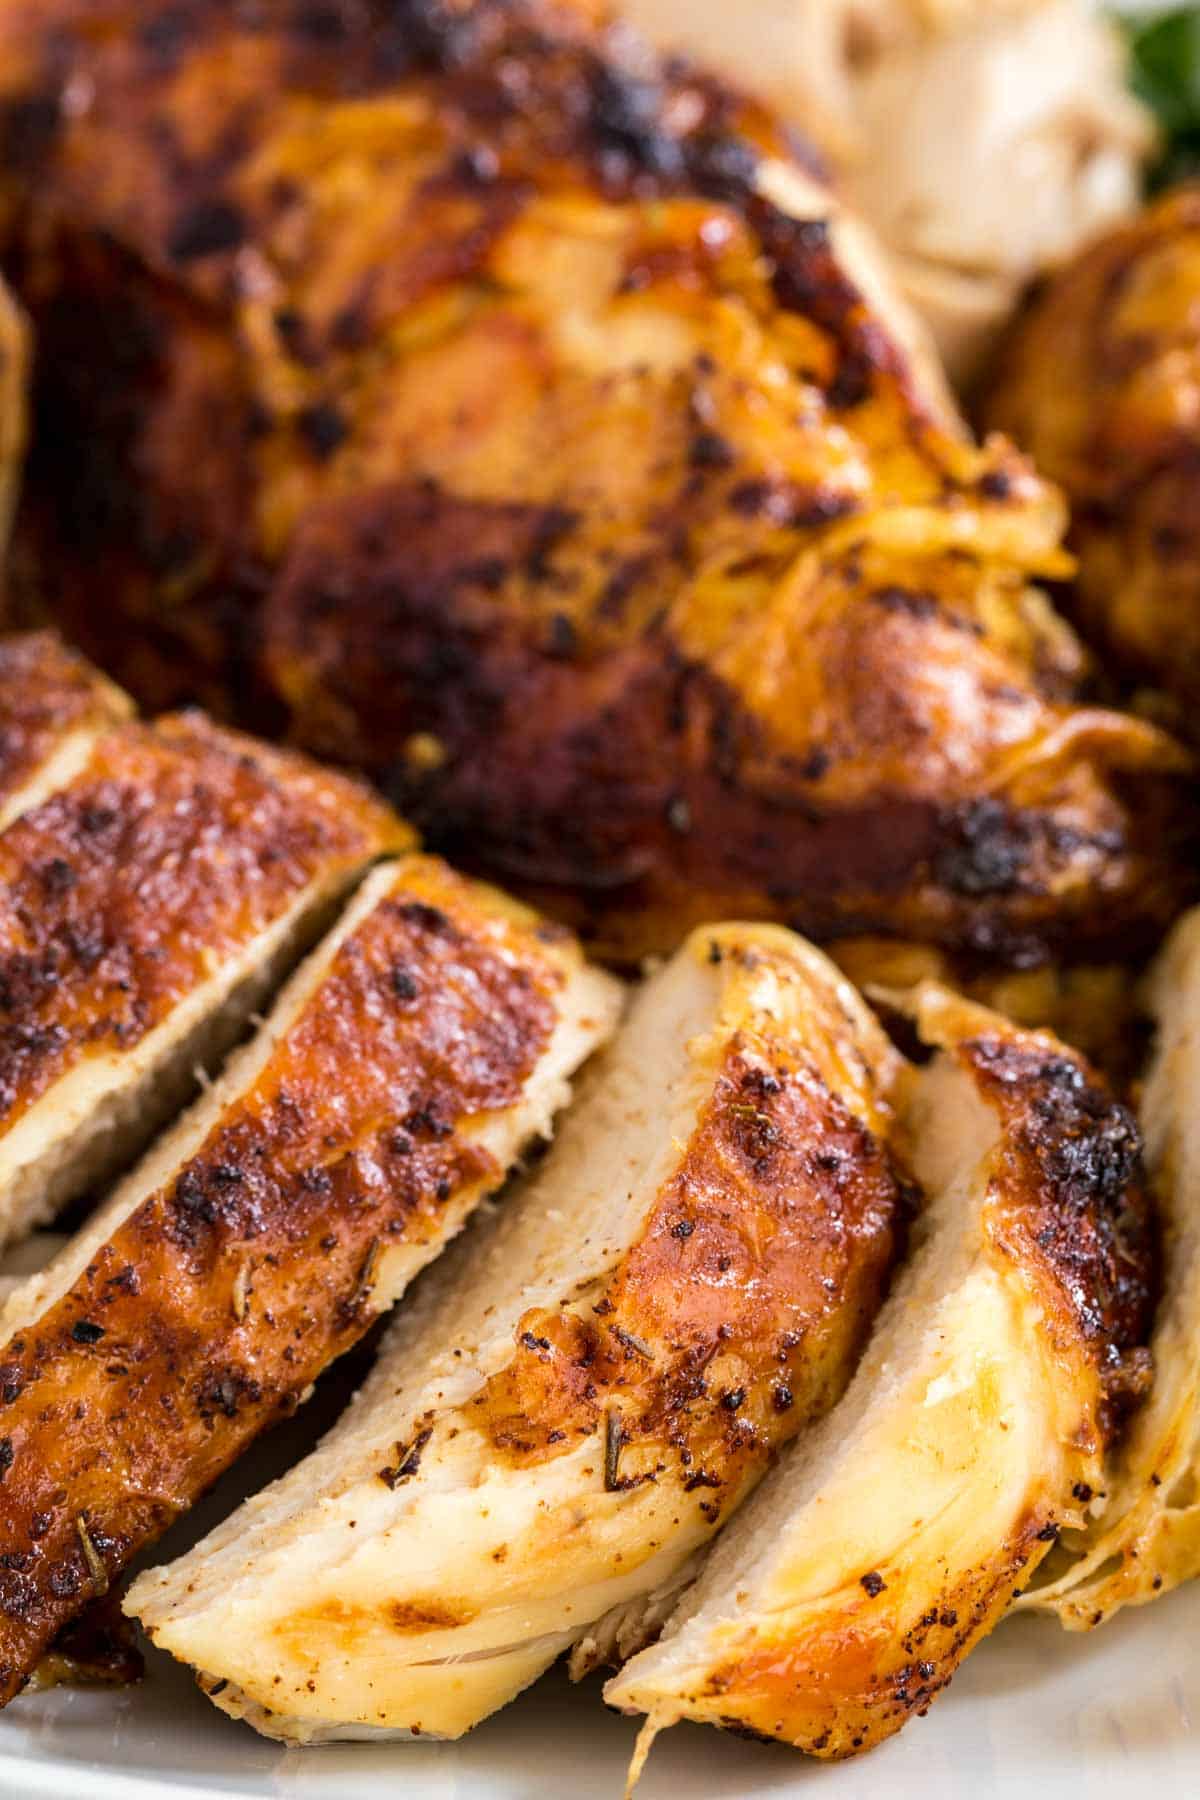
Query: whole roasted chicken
x=504 y=412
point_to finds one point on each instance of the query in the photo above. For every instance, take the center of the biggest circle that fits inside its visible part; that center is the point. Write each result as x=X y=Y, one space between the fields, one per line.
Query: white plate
x=1035 y=1714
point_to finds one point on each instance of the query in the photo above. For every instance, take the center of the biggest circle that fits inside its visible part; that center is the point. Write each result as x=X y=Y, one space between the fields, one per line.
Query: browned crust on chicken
x=176 y=846
x=837 y=1646
x=420 y=354
x=738 y=1314
x=874 y=1683
x=1101 y=382
x=1069 y=1196
x=47 y=694
x=208 y=1311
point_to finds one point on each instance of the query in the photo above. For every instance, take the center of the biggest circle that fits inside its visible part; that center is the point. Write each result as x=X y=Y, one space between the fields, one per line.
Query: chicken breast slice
x=891 y=1538
x=587 y=1390
x=1146 y=1540
x=146 y=908
x=54 y=707
x=404 y=1067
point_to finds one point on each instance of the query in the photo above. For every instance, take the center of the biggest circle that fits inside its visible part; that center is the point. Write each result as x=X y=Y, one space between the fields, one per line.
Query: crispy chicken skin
x=401 y=1071
x=1145 y=1539
x=496 y=402
x=591 y=1384
x=53 y=708
x=1101 y=382
x=146 y=906
x=890 y=1540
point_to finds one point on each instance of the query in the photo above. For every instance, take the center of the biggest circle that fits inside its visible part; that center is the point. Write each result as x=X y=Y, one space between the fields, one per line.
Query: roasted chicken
x=1101 y=381
x=892 y=1537
x=425 y=1041
x=496 y=405
x=147 y=905
x=1145 y=1537
x=54 y=708
x=984 y=140
x=591 y=1385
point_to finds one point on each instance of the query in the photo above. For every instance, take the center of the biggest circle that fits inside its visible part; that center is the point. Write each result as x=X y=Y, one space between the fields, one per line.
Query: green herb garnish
x=1165 y=73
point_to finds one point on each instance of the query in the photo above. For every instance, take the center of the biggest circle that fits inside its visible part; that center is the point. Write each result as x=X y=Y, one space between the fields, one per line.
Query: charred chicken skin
x=1101 y=382
x=495 y=403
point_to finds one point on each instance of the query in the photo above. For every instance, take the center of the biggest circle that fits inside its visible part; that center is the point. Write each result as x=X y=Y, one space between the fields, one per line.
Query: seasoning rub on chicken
x=591 y=1384
x=147 y=904
x=54 y=707
x=424 y=1042
x=892 y=1537
x=497 y=404
x=1145 y=1539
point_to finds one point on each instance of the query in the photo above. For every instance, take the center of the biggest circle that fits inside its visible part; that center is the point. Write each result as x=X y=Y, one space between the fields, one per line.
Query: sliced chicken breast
x=146 y=907
x=891 y=1538
x=587 y=1390
x=424 y=1042
x=1146 y=1540
x=54 y=706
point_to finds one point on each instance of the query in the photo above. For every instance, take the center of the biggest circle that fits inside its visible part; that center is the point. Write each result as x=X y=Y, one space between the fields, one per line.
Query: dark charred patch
x=988 y=851
x=207 y=228
x=1078 y=1185
x=323 y=428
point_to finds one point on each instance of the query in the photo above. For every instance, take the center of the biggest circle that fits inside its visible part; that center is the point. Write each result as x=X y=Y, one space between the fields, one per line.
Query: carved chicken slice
x=53 y=709
x=424 y=1042
x=589 y=1389
x=146 y=907
x=891 y=1538
x=1147 y=1539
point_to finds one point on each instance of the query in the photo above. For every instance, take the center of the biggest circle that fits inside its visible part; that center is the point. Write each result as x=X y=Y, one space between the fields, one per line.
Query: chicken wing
x=1101 y=382
x=891 y=1539
x=425 y=1041
x=146 y=906
x=592 y=1385
x=495 y=403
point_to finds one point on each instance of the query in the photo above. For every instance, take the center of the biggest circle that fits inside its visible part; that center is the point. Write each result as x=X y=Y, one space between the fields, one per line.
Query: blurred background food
x=1100 y=380
x=488 y=406
x=982 y=139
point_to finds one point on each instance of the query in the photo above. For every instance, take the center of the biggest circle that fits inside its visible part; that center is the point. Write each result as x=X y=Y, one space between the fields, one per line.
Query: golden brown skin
x=834 y=1658
x=478 y=399
x=611 y=1366
x=204 y=1316
x=1101 y=382
x=47 y=694
x=174 y=848
x=764 y=1257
